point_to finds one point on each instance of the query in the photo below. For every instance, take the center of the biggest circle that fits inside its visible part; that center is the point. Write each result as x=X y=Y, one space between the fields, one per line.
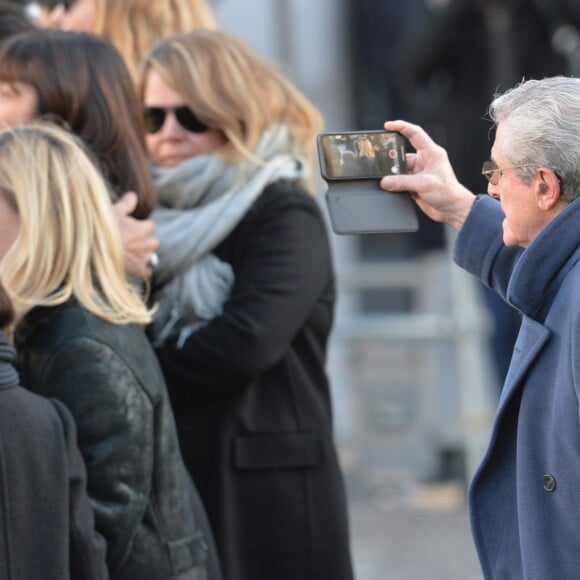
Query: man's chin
x=508 y=238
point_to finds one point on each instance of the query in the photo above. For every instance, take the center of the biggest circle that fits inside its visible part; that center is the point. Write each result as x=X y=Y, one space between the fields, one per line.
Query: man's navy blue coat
x=525 y=497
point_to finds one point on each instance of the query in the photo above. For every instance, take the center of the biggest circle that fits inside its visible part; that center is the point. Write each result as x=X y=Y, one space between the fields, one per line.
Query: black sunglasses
x=155 y=119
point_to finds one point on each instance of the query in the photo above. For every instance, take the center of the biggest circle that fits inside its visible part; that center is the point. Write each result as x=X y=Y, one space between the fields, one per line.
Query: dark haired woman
x=82 y=83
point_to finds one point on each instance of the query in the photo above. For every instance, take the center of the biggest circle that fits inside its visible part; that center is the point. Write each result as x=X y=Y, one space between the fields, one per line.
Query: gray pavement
x=416 y=533
x=401 y=449
x=404 y=417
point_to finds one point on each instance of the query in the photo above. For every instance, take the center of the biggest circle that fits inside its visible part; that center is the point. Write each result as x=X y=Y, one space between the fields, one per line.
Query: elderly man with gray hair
x=523 y=240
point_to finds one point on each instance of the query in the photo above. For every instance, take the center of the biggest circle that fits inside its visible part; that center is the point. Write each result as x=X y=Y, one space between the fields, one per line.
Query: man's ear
x=548 y=189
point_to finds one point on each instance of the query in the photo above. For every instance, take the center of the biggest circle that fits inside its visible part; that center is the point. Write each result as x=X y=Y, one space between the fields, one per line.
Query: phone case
x=362 y=207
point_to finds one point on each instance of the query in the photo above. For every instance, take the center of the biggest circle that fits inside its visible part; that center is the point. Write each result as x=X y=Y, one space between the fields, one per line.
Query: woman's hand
x=137 y=236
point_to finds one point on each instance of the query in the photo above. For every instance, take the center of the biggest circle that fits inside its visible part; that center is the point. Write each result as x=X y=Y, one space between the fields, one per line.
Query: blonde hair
x=134 y=26
x=366 y=148
x=232 y=89
x=68 y=244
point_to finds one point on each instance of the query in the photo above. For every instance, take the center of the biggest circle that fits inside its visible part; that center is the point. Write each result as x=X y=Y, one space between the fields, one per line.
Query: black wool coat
x=47 y=528
x=252 y=400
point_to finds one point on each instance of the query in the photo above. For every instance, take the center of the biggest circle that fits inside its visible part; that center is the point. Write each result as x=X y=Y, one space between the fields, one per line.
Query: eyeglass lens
x=155 y=119
x=489 y=170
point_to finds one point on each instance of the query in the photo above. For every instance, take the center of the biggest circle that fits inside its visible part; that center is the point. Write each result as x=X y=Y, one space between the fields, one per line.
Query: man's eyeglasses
x=155 y=119
x=492 y=172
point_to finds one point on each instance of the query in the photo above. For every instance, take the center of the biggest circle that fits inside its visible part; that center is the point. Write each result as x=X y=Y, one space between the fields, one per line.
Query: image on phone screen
x=361 y=155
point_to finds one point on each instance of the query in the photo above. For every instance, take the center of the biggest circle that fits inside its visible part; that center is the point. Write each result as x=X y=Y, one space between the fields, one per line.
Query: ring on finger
x=153 y=260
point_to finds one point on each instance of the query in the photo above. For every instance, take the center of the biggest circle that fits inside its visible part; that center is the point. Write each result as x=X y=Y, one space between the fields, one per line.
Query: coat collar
x=541 y=267
x=38 y=316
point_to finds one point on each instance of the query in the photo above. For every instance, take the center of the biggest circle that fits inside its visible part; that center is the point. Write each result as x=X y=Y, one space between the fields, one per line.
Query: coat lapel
x=531 y=340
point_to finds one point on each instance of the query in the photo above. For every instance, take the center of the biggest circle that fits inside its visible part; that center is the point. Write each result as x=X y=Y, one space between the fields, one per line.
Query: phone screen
x=361 y=154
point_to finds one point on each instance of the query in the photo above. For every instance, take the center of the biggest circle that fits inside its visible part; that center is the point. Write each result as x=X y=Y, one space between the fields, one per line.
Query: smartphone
x=361 y=154
x=352 y=163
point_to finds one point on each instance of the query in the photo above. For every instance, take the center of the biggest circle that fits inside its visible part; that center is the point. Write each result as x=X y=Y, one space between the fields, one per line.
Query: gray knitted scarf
x=200 y=203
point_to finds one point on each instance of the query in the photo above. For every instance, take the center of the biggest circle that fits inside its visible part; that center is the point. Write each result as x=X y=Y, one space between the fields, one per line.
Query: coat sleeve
x=479 y=248
x=87 y=547
x=575 y=347
x=114 y=420
x=283 y=272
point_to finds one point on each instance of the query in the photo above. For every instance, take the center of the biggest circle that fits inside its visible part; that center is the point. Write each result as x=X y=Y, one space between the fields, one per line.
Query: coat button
x=549 y=482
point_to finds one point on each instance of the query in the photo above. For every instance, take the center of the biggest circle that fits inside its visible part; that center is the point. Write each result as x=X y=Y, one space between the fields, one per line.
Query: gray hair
x=543 y=117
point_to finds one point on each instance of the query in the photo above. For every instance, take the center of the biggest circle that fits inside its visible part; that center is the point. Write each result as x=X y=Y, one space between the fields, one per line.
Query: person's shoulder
x=70 y=334
x=286 y=187
x=48 y=330
x=33 y=412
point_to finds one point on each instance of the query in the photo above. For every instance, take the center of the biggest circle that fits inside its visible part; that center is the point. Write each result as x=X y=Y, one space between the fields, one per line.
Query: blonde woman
x=132 y=26
x=367 y=158
x=79 y=335
x=246 y=298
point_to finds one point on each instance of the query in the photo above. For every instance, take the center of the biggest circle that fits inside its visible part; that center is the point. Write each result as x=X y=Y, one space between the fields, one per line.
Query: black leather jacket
x=145 y=504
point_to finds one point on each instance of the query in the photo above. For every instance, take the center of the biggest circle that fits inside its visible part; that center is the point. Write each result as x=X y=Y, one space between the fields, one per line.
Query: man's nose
x=493 y=190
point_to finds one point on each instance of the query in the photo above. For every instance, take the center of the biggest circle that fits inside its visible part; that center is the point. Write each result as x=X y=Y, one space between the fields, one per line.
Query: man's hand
x=430 y=179
x=137 y=236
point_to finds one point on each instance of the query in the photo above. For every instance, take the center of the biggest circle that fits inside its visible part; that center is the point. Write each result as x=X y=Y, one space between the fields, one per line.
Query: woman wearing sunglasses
x=245 y=293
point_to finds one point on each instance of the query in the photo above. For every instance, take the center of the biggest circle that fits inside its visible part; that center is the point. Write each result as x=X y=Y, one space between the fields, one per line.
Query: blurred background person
x=367 y=157
x=132 y=26
x=39 y=11
x=80 y=339
x=81 y=82
x=380 y=32
x=13 y=19
x=245 y=288
x=47 y=527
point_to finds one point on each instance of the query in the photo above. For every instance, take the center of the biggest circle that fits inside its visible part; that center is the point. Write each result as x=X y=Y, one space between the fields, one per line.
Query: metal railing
x=462 y=323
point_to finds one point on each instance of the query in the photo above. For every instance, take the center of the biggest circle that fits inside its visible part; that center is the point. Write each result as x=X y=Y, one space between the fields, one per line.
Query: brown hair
x=82 y=83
